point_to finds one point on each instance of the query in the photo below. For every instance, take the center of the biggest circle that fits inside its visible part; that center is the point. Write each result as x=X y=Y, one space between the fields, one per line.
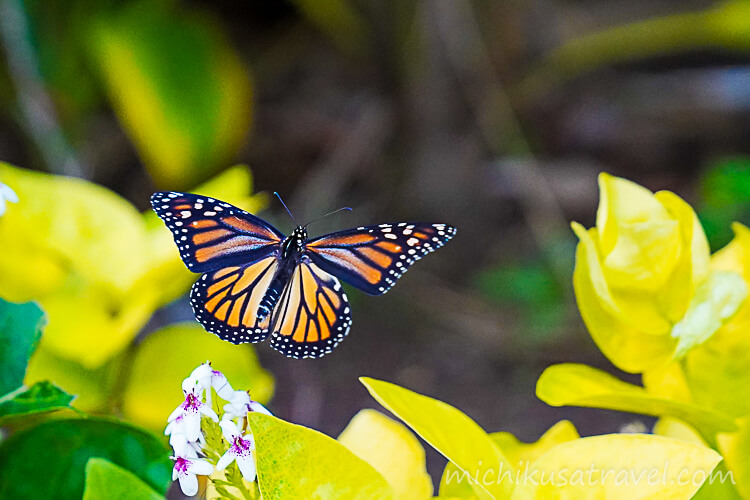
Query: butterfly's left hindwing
x=313 y=314
x=211 y=234
x=372 y=258
x=226 y=301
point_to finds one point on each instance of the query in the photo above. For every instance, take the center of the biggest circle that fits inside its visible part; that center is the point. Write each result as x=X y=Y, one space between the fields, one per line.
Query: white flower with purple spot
x=178 y=439
x=185 y=469
x=241 y=449
x=240 y=404
x=6 y=194
x=190 y=411
x=203 y=378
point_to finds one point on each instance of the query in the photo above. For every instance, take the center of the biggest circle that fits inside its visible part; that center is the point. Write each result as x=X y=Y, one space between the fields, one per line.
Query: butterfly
x=258 y=283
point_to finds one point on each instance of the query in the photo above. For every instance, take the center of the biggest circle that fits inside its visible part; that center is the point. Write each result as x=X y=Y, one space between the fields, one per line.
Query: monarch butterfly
x=256 y=282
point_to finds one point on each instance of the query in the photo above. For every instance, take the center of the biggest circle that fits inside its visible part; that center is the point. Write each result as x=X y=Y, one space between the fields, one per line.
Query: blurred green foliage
x=532 y=288
x=49 y=460
x=178 y=87
x=725 y=198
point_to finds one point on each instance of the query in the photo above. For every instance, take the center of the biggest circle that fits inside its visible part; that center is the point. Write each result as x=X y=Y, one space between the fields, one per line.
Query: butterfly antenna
x=287 y=208
x=329 y=213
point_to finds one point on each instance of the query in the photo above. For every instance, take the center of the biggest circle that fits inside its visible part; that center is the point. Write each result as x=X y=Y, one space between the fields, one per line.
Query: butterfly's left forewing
x=313 y=314
x=372 y=258
x=211 y=234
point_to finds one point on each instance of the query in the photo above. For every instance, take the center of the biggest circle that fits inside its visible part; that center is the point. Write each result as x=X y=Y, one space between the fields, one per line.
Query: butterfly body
x=258 y=283
x=290 y=254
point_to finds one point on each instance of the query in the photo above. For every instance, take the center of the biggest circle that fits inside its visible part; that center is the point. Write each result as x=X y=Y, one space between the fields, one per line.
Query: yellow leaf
x=167 y=356
x=518 y=453
x=736 y=450
x=392 y=450
x=618 y=467
x=449 y=431
x=668 y=381
x=639 y=239
x=581 y=385
x=677 y=429
x=716 y=371
x=692 y=266
x=722 y=484
x=715 y=301
x=629 y=348
x=79 y=250
x=297 y=462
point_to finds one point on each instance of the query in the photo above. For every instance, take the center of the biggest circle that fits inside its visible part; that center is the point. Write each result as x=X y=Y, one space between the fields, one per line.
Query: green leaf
x=20 y=330
x=43 y=396
x=448 y=430
x=297 y=462
x=393 y=450
x=178 y=87
x=106 y=480
x=49 y=460
x=167 y=356
x=580 y=385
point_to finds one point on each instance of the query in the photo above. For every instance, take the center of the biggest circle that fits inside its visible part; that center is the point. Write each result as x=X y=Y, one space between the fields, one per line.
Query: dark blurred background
x=493 y=116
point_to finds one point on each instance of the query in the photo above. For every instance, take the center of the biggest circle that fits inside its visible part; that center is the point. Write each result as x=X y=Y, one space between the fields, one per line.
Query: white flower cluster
x=187 y=439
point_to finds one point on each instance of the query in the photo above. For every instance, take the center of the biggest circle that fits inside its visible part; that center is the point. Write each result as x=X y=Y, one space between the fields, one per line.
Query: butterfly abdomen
x=271 y=297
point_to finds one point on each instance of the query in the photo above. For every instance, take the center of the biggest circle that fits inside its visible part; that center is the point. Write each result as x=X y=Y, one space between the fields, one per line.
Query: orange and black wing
x=212 y=234
x=313 y=314
x=372 y=258
x=226 y=301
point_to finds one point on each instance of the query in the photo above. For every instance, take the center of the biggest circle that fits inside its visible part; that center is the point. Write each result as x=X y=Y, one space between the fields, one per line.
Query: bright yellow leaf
x=392 y=450
x=518 y=453
x=580 y=385
x=618 y=467
x=717 y=371
x=449 y=431
x=735 y=448
x=629 y=348
x=297 y=462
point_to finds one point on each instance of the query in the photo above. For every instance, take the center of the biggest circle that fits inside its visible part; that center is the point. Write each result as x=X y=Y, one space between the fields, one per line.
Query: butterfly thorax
x=293 y=245
x=292 y=250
